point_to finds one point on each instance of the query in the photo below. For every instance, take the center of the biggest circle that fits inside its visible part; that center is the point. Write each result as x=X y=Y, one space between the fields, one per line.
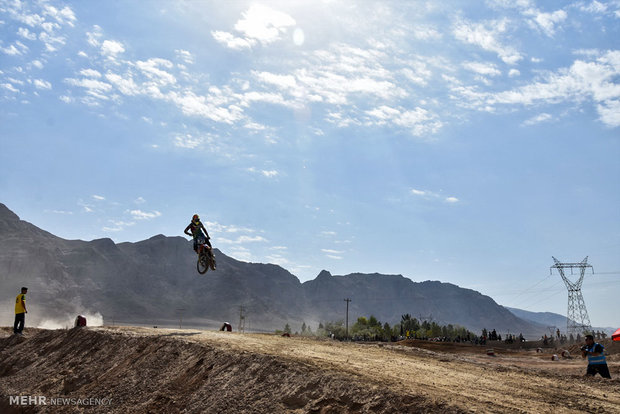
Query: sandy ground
x=147 y=370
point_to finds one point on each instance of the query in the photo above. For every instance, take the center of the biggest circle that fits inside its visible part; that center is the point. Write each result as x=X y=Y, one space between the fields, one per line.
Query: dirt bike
x=206 y=259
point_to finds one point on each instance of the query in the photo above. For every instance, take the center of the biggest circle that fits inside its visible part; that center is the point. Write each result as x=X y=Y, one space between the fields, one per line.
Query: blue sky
x=450 y=142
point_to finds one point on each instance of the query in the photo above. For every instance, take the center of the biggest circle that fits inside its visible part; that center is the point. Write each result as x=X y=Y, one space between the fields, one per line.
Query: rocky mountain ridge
x=155 y=281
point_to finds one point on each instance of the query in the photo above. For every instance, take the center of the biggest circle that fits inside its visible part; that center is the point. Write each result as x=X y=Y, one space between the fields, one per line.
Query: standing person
x=596 y=358
x=20 y=312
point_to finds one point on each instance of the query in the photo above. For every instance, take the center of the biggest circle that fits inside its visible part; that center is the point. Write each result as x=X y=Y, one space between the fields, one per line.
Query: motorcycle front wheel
x=203 y=264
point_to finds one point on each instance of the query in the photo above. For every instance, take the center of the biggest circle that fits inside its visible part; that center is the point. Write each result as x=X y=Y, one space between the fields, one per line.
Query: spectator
x=20 y=312
x=596 y=358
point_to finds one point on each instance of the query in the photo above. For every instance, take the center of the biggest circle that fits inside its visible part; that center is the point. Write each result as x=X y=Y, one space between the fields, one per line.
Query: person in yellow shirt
x=20 y=312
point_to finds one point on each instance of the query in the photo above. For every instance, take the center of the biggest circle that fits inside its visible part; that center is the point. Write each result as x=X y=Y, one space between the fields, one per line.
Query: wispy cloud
x=546 y=22
x=585 y=80
x=330 y=251
x=270 y=173
x=488 y=69
x=537 y=119
x=243 y=240
x=42 y=84
x=143 y=215
x=117 y=226
x=431 y=195
x=487 y=35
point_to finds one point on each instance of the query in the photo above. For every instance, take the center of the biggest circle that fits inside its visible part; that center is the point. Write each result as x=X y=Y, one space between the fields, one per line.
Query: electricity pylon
x=577 y=319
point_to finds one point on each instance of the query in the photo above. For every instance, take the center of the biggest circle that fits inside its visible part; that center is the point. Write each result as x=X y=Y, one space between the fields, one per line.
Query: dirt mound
x=165 y=374
x=142 y=370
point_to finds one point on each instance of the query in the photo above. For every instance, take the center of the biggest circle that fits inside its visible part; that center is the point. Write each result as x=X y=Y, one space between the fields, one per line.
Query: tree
x=335 y=328
x=287 y=329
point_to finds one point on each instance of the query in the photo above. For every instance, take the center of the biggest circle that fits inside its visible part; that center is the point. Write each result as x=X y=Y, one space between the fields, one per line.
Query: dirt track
x=165 y=371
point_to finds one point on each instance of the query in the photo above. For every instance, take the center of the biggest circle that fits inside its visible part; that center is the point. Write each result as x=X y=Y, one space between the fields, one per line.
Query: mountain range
x=154 y=281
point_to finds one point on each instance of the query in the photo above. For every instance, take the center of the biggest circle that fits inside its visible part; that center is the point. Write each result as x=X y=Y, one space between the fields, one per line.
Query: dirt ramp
x=167 y=374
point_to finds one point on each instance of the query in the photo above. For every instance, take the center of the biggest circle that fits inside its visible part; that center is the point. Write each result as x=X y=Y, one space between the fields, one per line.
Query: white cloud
x=543 y=117
x=547 y=22
x=195 y=105
x=270 y=173
x=64 y=15
x=418 y=121
x=594 y=80
x=152 y=70
x=595 y=7
x=418 y=73
x=243 y=239
x=187 y=141
x=98 y=197
x=111 y=48
x=90 y=73
x=117 y=226
x=26 y=34
x=330 y=251
x=9 y=87
x=14 y=51
x=93 y=37
x=142 y=215
x=259 y=24
x=231 y=41
x=185 y=56
x=486 y=35
x=221 y=228
x=488 y=69
x=431 y=195
x=281 y=81
x=42 y=84
x=125 y=86
x=609 y=112
x=263 y=24
x=62 y=212
x=92 y=87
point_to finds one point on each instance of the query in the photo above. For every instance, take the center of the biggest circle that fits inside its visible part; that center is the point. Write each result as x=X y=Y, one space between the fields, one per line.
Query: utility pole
x=241 y=319
x=347 y=323
x=577 y=319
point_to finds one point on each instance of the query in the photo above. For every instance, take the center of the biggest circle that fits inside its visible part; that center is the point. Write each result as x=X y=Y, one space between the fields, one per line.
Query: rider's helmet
x=195 y=218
